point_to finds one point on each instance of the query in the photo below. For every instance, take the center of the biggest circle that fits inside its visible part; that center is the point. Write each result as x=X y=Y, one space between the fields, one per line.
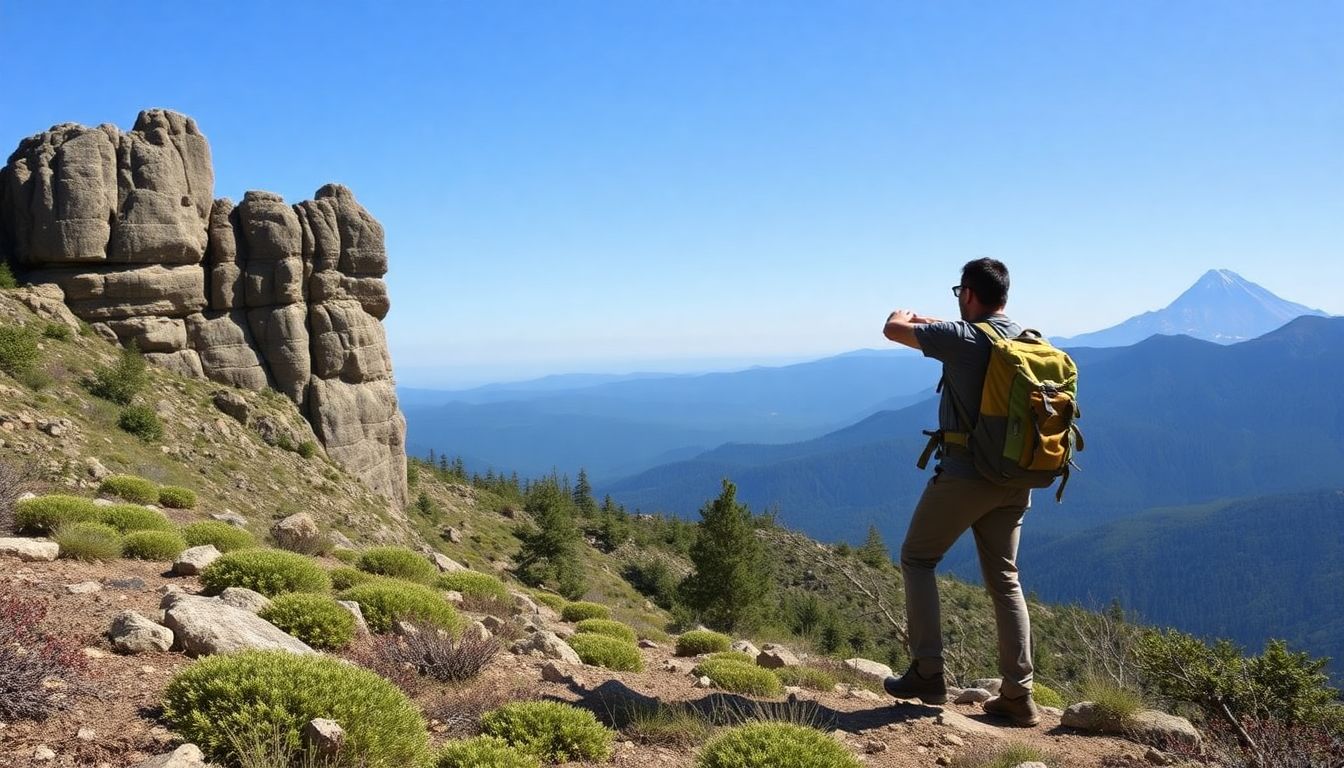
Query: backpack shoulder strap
x=990 y=330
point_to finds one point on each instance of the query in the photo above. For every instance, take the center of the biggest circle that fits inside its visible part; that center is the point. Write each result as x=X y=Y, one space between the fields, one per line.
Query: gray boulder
x=868 y=668
x=185 y=756
x=194 y=560
x=132 y=633
x=245 y=599
x=299 y=533
x=777 y=657
x=30 y=550
x=547 y=645
x=203 y=626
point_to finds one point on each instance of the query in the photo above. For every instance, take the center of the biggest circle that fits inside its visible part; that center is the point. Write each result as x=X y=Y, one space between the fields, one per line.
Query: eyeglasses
x=956 y=290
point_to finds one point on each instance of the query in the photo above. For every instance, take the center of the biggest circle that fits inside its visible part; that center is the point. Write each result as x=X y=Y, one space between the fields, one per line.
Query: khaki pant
x=949 y=506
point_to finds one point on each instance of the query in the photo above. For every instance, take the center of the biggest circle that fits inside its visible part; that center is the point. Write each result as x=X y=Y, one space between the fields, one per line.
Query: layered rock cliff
x=259 y=294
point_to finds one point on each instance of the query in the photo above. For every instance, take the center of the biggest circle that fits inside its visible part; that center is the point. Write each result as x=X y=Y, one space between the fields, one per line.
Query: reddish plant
x=31 y=661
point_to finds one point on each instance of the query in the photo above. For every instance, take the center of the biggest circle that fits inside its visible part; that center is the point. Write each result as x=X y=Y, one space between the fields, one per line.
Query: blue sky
x=611 y=186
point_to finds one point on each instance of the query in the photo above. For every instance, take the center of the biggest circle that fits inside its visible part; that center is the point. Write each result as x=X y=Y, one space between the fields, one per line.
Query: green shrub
x=57 y=332
x=1046 y=697
x=737 y=677
x=482 y=586
x=553 y=732
x=609 y=652
x=221 y=535
x=173 y=497
x=769 y=745
x=344 y=577
x=807 y=677
x=307 y=449
x=347 y=556
x=483 y=752
x=133 y=517
x=398 y=562
x=121 y=382
x=218 y=698
x=1116 y=704
x=551 y=600
x=44 y=514
x=582 y=610
x=741 y=657
x=699 y=641
x=141 y=421
x=7 y=279
x=18 y=349
x=1006 y=756
x=317 y=620
x=609 y=628
x=153 y=545
x=88 y=541
x=134 y=489
x=387 y=601
x=268 y=571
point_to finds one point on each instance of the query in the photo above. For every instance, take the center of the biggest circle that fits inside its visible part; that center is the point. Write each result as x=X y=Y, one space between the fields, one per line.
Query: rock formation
x=254 y=295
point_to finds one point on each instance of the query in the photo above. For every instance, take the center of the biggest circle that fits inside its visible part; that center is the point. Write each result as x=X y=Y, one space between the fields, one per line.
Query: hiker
x=958 y=497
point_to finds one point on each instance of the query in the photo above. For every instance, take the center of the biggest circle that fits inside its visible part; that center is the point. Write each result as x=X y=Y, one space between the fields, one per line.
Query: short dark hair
x=989 y=279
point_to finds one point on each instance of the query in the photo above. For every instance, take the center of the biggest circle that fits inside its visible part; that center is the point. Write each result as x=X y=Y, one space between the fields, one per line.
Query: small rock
x=405 y=628
x=446 y=564
x=233 y=404
x=94 y=653
x=86 y=734
x=1157 y=757
x=951 y=739
x=453 y=535
x=44 y=754
x=96 y=469
x=30 y=550
x=943 y=760
x=647 y=643
x=704 y=682
x=494 y=624
x=361 y=626
x=476 y=630
x=246 y=599
x=132 y=633
x=972 y=696
x=185 y=756
x=126 y=584
x=745 y=646
x=323 y=736
x=454 y=597
x=1031 y=764
x=194 y=560
x=230 y=517
x=549 y=645
x=864 y=694
x=777 y=657
x=873 y=746
x=554 y=673
x=677 y=667
x=83 y=588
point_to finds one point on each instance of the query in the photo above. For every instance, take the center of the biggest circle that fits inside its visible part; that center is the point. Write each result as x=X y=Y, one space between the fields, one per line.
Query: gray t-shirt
x=963 y=350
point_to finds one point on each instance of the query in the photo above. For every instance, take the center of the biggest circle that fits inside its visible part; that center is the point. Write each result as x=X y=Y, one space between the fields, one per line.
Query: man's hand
x=900 y=327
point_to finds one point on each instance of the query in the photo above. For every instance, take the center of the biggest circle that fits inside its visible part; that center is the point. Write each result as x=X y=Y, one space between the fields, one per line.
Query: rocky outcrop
x=123 y=227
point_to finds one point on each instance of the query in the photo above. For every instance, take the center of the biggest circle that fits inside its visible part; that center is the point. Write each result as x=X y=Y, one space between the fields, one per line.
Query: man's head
x=984 y=288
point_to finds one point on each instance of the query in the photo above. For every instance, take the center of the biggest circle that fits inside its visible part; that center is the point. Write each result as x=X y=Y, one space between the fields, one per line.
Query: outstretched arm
x=900 y=327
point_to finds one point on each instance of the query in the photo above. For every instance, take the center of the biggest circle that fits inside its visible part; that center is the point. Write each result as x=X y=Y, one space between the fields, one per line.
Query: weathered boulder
x=132 y=633
x=244 y=598
x=868 y=668
x=746 y=646
x=1149 y=725
x=194 y=560
x=203 y=626
x=185 y=756
x=299 y=533
x=323 y=737
x=548 y=645
x=776 y=657
x=30 y=550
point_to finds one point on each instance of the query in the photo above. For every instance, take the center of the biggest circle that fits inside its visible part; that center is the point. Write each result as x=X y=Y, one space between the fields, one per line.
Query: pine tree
x=583 y=496
x=874 y=550
x=550 y=544
x=732 y=577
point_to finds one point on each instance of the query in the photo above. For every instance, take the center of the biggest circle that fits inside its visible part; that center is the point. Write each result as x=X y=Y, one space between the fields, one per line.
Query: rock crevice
x=254 y=295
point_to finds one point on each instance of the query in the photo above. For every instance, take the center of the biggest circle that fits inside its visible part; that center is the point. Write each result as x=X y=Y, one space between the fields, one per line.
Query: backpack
x=1026 y=435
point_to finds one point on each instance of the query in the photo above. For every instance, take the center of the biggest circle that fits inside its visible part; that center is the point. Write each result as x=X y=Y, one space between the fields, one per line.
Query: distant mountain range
x=1222 y=307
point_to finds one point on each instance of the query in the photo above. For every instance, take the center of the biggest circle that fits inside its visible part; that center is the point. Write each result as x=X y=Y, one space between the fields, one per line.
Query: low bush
x=136 y=490
x=38 y=672
x=446 y=659
x=605 y=651
x=387 y=601
x=153 y=545
x=133 y=517
x=44 y=514
x=7 y=279
x=122 y=381
x=737 y=677
x=609 y=628
x=347 y=556
x=553 y=732
x=769 y=745
x=699 y=641
x=18 y=349
x=317 y=620
x=672 y=725
x=344 y=577
x=481 y=586
x=57 y=332
x=398 y=562
x=219 y=697
x=807 y=677
x=88 y=541
x=584 y=610
x=551 y=600
x=268 y=571
x=220 y=535
x=1002 y=756
x=483 y=752
x=307 y=449
x=1116 y=704
x=741 y=657
x=174 y=497
x=141 y=421
x=1046 y=697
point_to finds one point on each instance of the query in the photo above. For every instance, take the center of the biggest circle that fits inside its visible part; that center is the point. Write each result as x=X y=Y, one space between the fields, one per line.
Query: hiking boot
x=1020 y=710
x=912 y=685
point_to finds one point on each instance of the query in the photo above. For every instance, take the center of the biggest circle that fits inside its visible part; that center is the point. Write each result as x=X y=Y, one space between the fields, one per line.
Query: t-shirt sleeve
x=946 y=341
